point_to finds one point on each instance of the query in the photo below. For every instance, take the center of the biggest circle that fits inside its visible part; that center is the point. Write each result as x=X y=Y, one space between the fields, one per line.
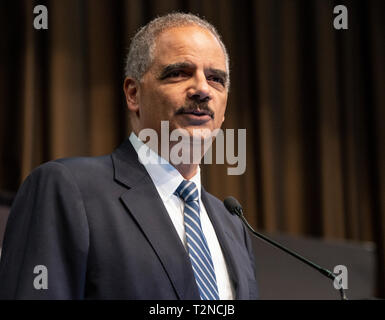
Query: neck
x=187 y=170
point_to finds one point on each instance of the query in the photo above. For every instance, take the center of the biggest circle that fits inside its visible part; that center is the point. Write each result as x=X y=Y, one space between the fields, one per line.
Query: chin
x=199 y=132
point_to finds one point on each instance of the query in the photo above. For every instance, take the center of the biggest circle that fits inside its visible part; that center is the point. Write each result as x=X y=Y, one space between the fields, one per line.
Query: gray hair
x=141 y=51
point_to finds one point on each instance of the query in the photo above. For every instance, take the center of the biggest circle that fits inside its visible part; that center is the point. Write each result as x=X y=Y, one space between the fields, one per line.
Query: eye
x=217 y=79
x=176 y=74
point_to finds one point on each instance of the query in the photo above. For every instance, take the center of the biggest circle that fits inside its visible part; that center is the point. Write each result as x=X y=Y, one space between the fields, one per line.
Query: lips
x=199 y=113
x=196 y=117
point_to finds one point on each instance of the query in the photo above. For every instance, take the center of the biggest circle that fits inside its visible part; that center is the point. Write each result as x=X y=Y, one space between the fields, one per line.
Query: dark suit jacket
x=100 y=228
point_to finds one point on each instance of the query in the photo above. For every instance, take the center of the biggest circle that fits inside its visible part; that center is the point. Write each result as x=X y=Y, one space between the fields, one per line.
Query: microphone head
x=233 y=206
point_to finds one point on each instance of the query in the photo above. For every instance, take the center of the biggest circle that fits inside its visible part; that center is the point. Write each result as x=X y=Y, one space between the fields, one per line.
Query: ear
x=131 y=90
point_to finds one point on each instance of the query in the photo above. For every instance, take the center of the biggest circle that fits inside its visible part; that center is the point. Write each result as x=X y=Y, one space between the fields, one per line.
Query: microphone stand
x=325 y=272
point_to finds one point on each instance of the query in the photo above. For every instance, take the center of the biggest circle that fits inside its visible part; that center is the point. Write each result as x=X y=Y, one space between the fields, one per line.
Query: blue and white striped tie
x=198 y=249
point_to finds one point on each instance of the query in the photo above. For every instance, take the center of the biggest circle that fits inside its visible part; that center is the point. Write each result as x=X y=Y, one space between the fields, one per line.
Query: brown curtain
x=311 y=97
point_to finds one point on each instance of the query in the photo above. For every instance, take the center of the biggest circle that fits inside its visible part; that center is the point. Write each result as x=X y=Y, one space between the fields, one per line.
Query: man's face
x=186 y=83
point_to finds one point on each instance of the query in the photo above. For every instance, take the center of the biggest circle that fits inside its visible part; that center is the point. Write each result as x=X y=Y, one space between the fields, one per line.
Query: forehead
x=189 y=43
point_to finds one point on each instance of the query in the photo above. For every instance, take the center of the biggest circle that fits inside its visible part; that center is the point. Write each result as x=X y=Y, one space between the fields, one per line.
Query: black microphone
x=234 y=207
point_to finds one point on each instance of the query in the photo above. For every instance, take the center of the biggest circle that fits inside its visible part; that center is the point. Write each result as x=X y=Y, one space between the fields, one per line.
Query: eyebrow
x=186 y=65
x=174 y=66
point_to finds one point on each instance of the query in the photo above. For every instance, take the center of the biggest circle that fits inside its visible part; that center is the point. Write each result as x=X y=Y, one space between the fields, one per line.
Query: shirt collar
x=164 y=175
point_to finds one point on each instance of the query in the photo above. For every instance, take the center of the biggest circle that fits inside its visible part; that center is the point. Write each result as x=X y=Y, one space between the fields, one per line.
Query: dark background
x=311 y=97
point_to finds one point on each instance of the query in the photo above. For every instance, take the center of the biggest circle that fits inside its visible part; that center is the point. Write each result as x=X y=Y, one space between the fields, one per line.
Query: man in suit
x=118 y=227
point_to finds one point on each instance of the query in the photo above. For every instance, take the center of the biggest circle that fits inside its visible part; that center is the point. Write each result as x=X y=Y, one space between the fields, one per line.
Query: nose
x=199 y=90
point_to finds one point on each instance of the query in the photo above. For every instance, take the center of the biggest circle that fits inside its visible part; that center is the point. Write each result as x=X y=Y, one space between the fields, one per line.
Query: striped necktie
x=198 y=249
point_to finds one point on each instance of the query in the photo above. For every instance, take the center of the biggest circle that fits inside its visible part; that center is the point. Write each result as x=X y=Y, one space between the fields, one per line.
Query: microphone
x=234 y=207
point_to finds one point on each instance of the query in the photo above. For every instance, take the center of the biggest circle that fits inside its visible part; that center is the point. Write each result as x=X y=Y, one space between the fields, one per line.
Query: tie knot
x=188 y=191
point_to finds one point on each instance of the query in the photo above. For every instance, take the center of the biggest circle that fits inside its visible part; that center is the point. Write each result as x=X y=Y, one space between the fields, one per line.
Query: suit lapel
x=225 y=240
x=145 y=205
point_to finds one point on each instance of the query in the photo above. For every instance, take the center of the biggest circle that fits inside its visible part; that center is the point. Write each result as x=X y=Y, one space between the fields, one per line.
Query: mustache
x=196 y=107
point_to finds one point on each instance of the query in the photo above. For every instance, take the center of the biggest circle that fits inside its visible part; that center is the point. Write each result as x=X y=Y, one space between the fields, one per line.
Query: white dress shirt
x=166 y=180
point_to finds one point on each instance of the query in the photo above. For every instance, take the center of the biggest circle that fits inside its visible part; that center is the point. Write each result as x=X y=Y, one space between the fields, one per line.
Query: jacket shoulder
x=76 y=166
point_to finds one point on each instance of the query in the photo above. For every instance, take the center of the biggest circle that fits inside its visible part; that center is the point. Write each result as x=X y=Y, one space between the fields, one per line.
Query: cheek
x=162 y=101
x=159 y=105
x=221 y=111
x=151 y=104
